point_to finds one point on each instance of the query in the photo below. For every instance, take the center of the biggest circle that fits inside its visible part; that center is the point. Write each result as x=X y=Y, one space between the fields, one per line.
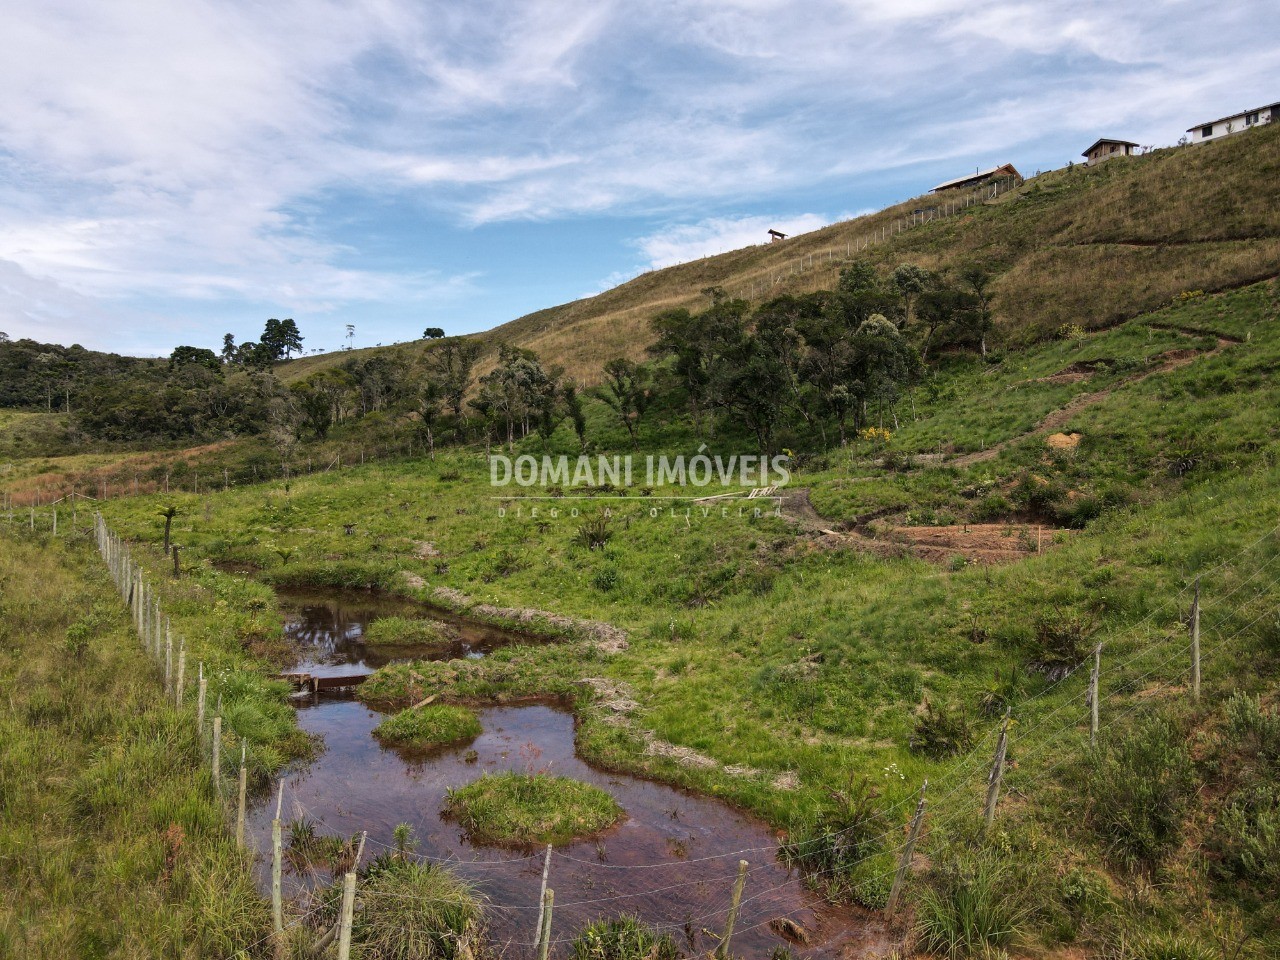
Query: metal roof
x=977 y=176
x=1232 y=116
x=1125 y=143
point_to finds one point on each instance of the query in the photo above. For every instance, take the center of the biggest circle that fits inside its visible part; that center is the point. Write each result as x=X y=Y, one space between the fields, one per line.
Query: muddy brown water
x=671 y=860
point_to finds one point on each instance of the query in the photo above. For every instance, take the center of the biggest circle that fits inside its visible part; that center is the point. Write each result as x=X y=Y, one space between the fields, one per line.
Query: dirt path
x=976 y=542
x=1170 y=360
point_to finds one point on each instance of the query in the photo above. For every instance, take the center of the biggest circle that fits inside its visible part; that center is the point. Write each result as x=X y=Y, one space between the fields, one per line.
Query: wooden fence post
x=722 y=951
x=997 y=774
x=348 y=909
x=1195 y=643
x=1093 y=695
x=542 y=897
x=182 y=674
x=277 y=897
x=168 y=657
x=200 y=695
x=904 y=865
x=217 y=754
x=544 y=939
x=240 y=803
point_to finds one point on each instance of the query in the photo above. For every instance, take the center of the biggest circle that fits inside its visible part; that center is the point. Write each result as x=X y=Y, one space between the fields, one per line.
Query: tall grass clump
x=972 y=906
x=622 y=938
x=410 y=910
x=842 y=849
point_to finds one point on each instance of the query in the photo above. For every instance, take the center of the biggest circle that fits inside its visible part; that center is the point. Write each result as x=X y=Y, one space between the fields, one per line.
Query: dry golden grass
x=1085 y=245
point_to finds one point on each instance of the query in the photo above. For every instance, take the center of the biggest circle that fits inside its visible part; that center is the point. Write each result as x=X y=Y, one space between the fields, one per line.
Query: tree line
x=813 y=368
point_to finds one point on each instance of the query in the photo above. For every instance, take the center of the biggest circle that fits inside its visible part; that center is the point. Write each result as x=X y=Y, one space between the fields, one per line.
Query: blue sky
x=170 y=172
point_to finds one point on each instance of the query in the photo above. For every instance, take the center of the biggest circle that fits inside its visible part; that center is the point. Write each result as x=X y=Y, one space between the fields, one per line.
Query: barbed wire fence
x=1206 y=629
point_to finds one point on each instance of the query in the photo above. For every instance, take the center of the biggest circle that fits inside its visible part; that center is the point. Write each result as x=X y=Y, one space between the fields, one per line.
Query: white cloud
x=680 y=244
x=194 y=151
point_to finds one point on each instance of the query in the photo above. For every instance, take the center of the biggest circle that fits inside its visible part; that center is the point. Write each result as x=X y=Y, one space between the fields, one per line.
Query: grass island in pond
x=434 y=725
x=515 y=809
x=395 y=631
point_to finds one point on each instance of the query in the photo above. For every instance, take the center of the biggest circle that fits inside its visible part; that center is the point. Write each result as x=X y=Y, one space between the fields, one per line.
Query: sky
x=174 y=170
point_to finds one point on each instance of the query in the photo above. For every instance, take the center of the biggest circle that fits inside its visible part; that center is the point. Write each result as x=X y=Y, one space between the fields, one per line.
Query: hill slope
x=1087 y=246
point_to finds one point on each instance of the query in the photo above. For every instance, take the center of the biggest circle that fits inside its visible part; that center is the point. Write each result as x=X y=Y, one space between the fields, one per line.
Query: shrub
x=995 y=506
x=1061 y=640
x=842 y=850
x=407 y=631
x=1247 y=838
x=435 y=725
x=519 y=809
x=972 y=906
x=941 y=731
x=1139 y=791
x=622 y=938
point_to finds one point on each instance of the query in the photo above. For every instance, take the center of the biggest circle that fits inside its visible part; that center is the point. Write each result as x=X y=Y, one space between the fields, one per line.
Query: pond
x=671 y=860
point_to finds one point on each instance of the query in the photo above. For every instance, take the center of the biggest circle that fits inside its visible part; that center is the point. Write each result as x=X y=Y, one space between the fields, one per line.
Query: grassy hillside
x=796 y=655
x=1088 y=246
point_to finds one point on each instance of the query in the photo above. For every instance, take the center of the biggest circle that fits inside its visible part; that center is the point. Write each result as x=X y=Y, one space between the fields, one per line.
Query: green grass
x=622 y=938
x=112 y=843
x=782 y=659
x=518 y=809
x=406 y=631
x=435 y=725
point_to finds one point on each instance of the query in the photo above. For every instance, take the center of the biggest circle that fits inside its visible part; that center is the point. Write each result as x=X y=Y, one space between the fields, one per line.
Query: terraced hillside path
x=1168 y=361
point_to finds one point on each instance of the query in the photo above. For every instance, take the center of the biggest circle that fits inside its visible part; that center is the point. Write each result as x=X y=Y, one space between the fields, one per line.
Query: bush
x=1247 y=838
x=992 y=507
x=519 y=809
x=1139 y=791
x=972 y=906
x=1061 y=642
x=622 y=938
x=842 y=850
x=407 y=631
x=941 y=731
x=435 y=725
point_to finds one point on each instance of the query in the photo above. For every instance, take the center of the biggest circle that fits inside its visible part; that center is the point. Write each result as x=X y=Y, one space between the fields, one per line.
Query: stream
x=671 y=860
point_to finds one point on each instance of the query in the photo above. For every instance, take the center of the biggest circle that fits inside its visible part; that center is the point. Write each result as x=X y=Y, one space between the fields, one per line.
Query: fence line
x=145 y=604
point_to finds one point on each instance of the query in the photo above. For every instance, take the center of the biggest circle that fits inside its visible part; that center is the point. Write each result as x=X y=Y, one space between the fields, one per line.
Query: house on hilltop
x=1234 y=123
x=1106 y=149
x=1005 y=171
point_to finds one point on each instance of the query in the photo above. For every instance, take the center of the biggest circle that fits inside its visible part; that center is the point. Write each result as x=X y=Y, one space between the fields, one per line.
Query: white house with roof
x=1234 y=123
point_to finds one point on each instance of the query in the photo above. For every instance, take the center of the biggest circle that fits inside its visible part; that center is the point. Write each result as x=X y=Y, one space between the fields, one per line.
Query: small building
x=1005 y=171
x=1235 y=123
x=775 y=236
x=1106 y=149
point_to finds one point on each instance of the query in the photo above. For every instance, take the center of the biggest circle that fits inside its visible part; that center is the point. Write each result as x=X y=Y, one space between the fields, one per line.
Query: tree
x=573 y=406
x=290 y=338
x=626 y=389
x=429 y=405
x=228 y=348
x=4 y=337
x=452 y=364
x=884 y=361
x=910 y=281
x=978 y=320
x=197 y=356
x=514 y=391
x=314 y=405
x=432 y=333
